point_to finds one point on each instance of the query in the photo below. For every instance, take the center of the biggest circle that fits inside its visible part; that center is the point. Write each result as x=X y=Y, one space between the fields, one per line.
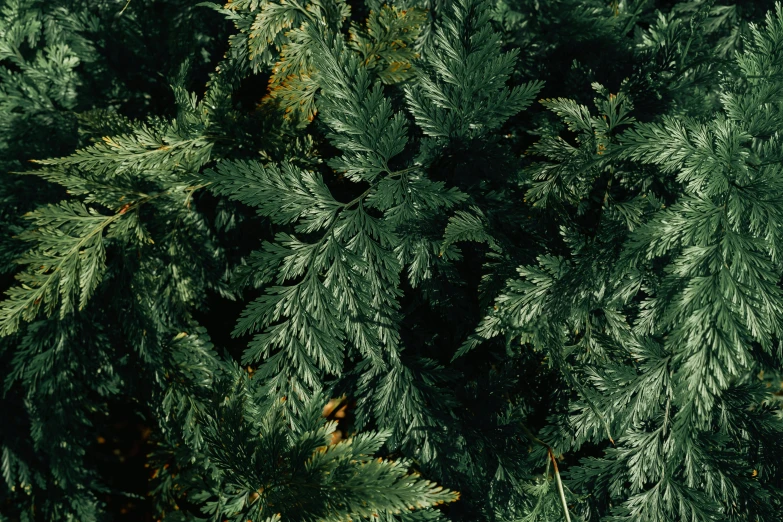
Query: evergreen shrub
x=404 y=260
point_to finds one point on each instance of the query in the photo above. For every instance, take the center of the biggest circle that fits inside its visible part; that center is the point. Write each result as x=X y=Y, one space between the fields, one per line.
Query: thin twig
x=551 y=455
x=560 y=487
x=124 y=8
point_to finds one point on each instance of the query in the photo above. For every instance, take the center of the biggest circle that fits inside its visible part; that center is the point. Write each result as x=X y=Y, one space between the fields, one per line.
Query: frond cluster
x=321 y=260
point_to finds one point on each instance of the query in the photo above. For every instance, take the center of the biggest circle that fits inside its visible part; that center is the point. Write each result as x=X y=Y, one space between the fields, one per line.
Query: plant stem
x=559 y=486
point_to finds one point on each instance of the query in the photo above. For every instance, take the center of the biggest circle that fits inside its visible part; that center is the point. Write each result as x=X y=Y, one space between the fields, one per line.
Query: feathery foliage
x=326 y=260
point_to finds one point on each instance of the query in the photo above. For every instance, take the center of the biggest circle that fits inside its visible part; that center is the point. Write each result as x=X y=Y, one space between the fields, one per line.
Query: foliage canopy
x=415 y=260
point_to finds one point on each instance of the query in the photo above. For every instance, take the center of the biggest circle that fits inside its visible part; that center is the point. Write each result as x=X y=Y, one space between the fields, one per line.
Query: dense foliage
x=424 y=260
